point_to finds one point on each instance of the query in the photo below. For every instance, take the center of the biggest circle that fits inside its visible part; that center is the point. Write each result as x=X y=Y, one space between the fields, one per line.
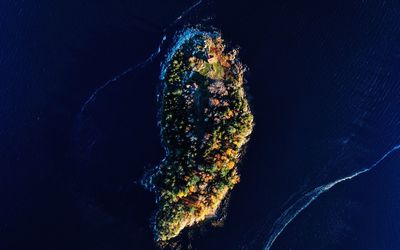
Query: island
x=205 y=121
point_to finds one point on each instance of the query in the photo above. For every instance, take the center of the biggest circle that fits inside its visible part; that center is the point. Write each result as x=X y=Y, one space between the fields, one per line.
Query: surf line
x=290 y=213
x=150 y=58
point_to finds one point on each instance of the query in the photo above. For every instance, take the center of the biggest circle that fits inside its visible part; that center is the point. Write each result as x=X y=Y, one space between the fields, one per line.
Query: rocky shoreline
x=205 y=121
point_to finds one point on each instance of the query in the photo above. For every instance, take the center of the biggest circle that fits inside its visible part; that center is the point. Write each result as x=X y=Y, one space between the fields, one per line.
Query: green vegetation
x=205 y=121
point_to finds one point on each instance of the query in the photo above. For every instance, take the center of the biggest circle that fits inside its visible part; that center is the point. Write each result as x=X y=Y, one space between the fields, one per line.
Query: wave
x=149 y=59
x=290 y=213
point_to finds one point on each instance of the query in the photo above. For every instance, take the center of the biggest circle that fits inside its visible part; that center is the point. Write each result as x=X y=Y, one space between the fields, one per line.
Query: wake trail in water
x=149 y=59
x=289 y=214
x=185 y=12
x=115 y=78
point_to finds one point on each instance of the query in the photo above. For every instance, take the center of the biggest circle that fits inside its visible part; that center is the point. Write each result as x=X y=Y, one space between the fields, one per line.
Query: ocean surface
x=78 y=123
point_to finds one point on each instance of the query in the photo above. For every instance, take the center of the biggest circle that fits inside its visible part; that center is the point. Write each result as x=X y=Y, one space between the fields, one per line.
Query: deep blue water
x=324 y=82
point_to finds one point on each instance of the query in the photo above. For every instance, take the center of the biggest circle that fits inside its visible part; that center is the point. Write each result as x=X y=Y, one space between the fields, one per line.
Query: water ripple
x=290 y=213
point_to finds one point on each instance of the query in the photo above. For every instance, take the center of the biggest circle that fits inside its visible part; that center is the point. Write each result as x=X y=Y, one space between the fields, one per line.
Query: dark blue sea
x=78 y=123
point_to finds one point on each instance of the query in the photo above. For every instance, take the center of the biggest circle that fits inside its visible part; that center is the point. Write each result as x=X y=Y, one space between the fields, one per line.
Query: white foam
x=150 y=58
x=290 y=213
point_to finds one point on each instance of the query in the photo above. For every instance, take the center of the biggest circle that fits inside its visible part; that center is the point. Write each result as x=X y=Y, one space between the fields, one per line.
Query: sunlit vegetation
x=205 y=121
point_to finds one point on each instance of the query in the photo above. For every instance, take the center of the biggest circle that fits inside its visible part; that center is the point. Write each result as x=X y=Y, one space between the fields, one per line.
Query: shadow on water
x=325 y=103
x=116 y=138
